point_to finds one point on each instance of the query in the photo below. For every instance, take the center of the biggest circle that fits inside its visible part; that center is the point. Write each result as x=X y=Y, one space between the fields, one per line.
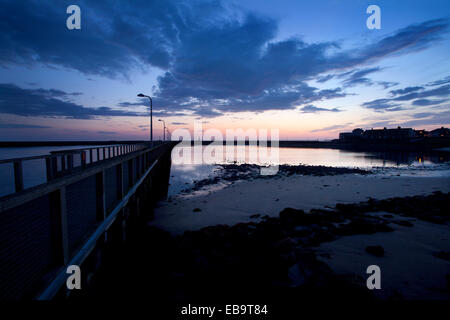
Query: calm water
x=33 y=170
x=184 y=173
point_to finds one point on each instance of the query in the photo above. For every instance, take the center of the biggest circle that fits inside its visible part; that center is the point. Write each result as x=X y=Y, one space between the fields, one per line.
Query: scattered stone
x=404 y=223
x=443 y=255
x=278 y=251
x=229 y=173
x=448 y=280
x=377 y=251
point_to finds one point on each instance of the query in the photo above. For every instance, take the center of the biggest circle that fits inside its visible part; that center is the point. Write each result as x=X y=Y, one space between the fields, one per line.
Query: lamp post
x=168 y=133
x=151 y=116
x=164 y=130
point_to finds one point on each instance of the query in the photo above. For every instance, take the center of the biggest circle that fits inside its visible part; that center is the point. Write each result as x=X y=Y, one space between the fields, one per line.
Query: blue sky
x=307 y=68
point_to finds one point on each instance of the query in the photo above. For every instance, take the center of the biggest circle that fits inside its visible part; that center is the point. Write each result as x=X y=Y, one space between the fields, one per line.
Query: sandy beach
x=409 y=266
x=414 y=258
x=244 y=199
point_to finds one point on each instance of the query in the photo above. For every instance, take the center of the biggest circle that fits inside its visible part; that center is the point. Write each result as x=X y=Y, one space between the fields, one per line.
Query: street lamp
x=168 y=134
x=151 y=116
x=164 y=130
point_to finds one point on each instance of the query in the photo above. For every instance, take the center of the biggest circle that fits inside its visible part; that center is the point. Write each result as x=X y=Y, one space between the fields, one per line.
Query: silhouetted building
x=389 y=134
x=346 y=136
x=421 y=133
x=441 y=132
x=397 y=134
x=358 y=132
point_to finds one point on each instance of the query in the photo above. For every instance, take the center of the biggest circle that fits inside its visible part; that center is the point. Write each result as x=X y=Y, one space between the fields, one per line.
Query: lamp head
x=141 y=95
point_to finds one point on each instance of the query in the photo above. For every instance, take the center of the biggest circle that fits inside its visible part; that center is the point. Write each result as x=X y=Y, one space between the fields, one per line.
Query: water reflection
x=417 y=163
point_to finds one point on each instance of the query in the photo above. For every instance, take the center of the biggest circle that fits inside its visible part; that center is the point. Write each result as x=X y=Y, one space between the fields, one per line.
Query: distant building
x=389 y=134
x=421 y=133
x=346 y=136
x=358 y=132
x=441 y=132
x=395 y=134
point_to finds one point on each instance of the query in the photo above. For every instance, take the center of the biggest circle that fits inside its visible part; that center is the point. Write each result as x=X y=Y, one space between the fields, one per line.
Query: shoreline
x=297 y=237
x=241 y=201
x=315 y=256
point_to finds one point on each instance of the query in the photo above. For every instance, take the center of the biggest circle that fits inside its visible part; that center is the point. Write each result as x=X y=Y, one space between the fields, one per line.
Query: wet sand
x=409 y=268
x=244 y=199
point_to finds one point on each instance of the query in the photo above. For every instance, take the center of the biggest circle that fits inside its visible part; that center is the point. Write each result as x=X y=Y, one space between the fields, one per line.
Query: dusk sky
x=308 y=68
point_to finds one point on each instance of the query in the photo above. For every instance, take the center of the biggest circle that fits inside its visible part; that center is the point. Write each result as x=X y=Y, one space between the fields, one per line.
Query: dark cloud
x=427 y=102
x=440 y=118
x=214 y=62
x=439 y=82
x=246 y=74
x=50 y=103
x=358 y=77
x=436 y=92
x=405 y=90
x=418 y=94
x=381 y=105
x=421 y=115
x=418 y=120
x=387 y=84
x=107 y=132
x=325 y=78
x=179 y=123
x=21 y=126
x=409 y=39
x=312 y=109
x=110 y=42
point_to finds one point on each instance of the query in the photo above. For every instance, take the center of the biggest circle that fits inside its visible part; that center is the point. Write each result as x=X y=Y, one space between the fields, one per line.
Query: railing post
x=49 y=168
x=101 y=196
x=70 y=162
x=54 y=162
x=98 y=154
x=104 y=153
x=91 y=153
x=130 y=173
x=18 y=175
x=120 y=188
x=63 y=162
x=83 y=158
x=59 y=230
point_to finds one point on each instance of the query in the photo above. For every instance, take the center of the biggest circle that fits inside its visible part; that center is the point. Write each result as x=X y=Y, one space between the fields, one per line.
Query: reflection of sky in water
x=184 y=174
x=402 y=163
x=33 y=170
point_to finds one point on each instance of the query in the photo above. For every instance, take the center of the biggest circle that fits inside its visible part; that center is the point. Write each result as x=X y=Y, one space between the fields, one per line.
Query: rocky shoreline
x=279 y=252
x=230 y=173
x=270 y=259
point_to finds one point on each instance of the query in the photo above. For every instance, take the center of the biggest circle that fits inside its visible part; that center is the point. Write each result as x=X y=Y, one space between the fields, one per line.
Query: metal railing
x=45 y=228
x=59 y=163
